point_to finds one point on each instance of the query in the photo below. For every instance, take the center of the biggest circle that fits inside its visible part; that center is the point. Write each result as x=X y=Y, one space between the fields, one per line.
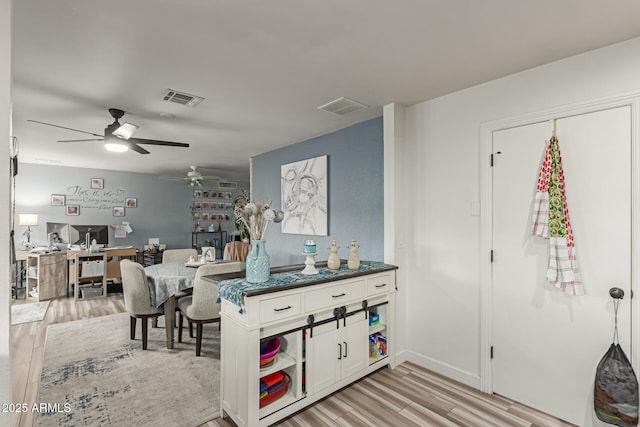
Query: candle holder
x=310 y=264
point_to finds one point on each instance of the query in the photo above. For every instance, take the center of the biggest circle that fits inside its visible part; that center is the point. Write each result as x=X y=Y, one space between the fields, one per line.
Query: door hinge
x=491 y=256
x=491 y=160
x=491 y=352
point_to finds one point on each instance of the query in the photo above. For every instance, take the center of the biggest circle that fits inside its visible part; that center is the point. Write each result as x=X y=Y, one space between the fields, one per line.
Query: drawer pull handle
x=283 y=308
x=338 y=296
x=339 y=351
x=381 y=286
x=345 y=349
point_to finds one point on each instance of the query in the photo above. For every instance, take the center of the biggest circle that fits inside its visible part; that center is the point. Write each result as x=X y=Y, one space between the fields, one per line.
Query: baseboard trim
x=472 y=380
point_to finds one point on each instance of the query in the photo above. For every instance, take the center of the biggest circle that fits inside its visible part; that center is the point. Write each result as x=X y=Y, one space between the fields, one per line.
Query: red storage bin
x=271 y=397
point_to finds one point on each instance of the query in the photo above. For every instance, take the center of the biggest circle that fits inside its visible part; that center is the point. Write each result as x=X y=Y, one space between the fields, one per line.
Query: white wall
x=442 y=262
x=5 y=132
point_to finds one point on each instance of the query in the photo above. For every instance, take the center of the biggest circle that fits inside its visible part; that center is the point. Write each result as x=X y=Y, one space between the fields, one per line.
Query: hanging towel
x=550 y=220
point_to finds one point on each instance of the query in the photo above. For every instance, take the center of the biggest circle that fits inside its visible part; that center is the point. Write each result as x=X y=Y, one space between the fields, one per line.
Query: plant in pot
x=240 y=226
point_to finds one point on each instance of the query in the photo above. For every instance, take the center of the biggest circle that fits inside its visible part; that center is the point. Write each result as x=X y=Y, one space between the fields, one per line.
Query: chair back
x=135 y=288
x=205 y=292
x=236 y=251
x=178 y=255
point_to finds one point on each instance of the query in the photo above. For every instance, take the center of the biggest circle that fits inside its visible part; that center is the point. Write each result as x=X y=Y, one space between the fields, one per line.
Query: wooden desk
x=114 y=256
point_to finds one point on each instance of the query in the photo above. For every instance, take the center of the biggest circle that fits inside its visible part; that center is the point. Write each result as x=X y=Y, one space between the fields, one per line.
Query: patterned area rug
x=97 y=376
x=29 y=312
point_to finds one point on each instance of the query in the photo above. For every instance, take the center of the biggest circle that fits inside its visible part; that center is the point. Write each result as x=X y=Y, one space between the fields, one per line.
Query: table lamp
x=28 y=220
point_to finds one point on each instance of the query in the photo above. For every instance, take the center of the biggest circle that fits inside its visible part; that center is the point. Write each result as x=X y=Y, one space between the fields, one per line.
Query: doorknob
x=616 y=293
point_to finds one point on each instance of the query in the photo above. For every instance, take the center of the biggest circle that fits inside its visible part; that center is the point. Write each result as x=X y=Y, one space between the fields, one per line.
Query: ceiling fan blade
x=80 y=140
x=137 y=148
x=156 y=142
x=64 y=127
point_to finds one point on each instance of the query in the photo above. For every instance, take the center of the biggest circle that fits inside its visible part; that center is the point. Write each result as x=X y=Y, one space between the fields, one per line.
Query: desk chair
x=201 y=307
x=136 y=297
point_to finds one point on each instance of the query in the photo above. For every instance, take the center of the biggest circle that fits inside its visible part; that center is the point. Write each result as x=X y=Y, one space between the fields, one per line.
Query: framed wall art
x=131 y=202
x=97 y=183
x=118 y=211
x=73 y=210
x=304 y=196
x=57 y=200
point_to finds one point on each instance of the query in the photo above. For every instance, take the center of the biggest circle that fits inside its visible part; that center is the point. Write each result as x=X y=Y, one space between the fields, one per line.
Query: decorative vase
x=333 y=262
x=258 y=263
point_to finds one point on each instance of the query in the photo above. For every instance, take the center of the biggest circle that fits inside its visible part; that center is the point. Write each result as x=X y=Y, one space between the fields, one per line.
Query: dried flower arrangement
x=256 y=217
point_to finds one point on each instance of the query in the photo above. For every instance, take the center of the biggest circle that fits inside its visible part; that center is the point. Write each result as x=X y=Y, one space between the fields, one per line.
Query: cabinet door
x=355 y=345
x=323 y=355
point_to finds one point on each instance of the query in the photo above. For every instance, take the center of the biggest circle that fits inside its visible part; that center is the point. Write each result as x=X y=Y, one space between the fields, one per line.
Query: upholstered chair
x=236 y=251
x=178 y=255
x=201 y=307
x=137 y=299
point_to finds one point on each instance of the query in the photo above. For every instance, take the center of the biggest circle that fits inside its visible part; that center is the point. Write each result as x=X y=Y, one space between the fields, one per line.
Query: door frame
x=487 y=130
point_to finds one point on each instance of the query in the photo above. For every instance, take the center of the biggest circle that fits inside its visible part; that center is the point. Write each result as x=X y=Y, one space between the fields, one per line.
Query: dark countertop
x=234 y=287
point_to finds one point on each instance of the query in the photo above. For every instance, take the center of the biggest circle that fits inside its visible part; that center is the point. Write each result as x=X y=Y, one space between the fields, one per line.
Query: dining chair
x=236 y=251
x=178 y=255
x=137 y=299
x=201 y=306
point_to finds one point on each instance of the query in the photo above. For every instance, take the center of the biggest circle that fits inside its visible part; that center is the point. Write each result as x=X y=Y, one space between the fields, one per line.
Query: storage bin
x=92 y=268
x=277 y=394
x=90 y=291
x=374 y=319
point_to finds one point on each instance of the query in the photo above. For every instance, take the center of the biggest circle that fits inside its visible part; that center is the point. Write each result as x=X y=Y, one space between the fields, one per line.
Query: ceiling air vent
x=343 y=106
x=182 y=98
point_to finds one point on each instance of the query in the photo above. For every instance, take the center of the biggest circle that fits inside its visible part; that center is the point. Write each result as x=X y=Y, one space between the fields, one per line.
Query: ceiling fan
x=194 y=178
x=118 y=137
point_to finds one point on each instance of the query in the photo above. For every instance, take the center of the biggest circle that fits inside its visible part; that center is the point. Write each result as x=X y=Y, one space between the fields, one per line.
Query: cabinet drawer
x=380 y=285
x=335 y=296
x=279 y=308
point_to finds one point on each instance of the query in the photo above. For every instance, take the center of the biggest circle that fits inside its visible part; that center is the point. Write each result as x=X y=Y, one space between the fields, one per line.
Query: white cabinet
x=336 y=352
x=323 y=327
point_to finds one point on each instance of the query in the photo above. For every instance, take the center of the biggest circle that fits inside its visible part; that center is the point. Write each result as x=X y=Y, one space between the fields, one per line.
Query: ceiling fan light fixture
x=125 y=131
x=116 y=146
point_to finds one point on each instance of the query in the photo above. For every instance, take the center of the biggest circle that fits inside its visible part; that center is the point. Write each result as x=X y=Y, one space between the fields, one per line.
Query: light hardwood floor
x=406 y=396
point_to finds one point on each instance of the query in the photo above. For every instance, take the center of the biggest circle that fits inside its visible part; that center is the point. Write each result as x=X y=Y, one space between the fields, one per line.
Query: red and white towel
x=550 y=220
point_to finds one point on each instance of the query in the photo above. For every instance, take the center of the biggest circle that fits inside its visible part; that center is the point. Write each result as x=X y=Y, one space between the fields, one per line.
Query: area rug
x=28 y=312
x=94 y=375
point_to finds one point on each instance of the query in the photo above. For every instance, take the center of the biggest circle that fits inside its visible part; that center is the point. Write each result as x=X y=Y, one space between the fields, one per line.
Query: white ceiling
x=264 y=67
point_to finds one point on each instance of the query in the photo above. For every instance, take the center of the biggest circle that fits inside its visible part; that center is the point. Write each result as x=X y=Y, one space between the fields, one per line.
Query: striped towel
x=550 y=219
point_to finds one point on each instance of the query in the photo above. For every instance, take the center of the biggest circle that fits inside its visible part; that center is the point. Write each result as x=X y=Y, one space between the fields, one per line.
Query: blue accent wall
x=355 y=160
x=163 y=211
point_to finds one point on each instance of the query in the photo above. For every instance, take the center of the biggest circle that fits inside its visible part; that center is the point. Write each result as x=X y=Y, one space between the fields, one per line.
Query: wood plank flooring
x=406 y=396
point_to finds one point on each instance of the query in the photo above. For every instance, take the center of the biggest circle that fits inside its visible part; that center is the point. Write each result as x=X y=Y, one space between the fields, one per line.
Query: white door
x=355 y=345
x=547 y=344
x=324 y=353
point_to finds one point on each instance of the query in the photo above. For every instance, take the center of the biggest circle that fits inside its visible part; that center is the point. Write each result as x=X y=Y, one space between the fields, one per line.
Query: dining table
x=166 y=282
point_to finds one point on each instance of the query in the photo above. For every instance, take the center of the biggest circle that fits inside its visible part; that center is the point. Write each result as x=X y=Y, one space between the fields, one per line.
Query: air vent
x=182 y=98
x=343 y=106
